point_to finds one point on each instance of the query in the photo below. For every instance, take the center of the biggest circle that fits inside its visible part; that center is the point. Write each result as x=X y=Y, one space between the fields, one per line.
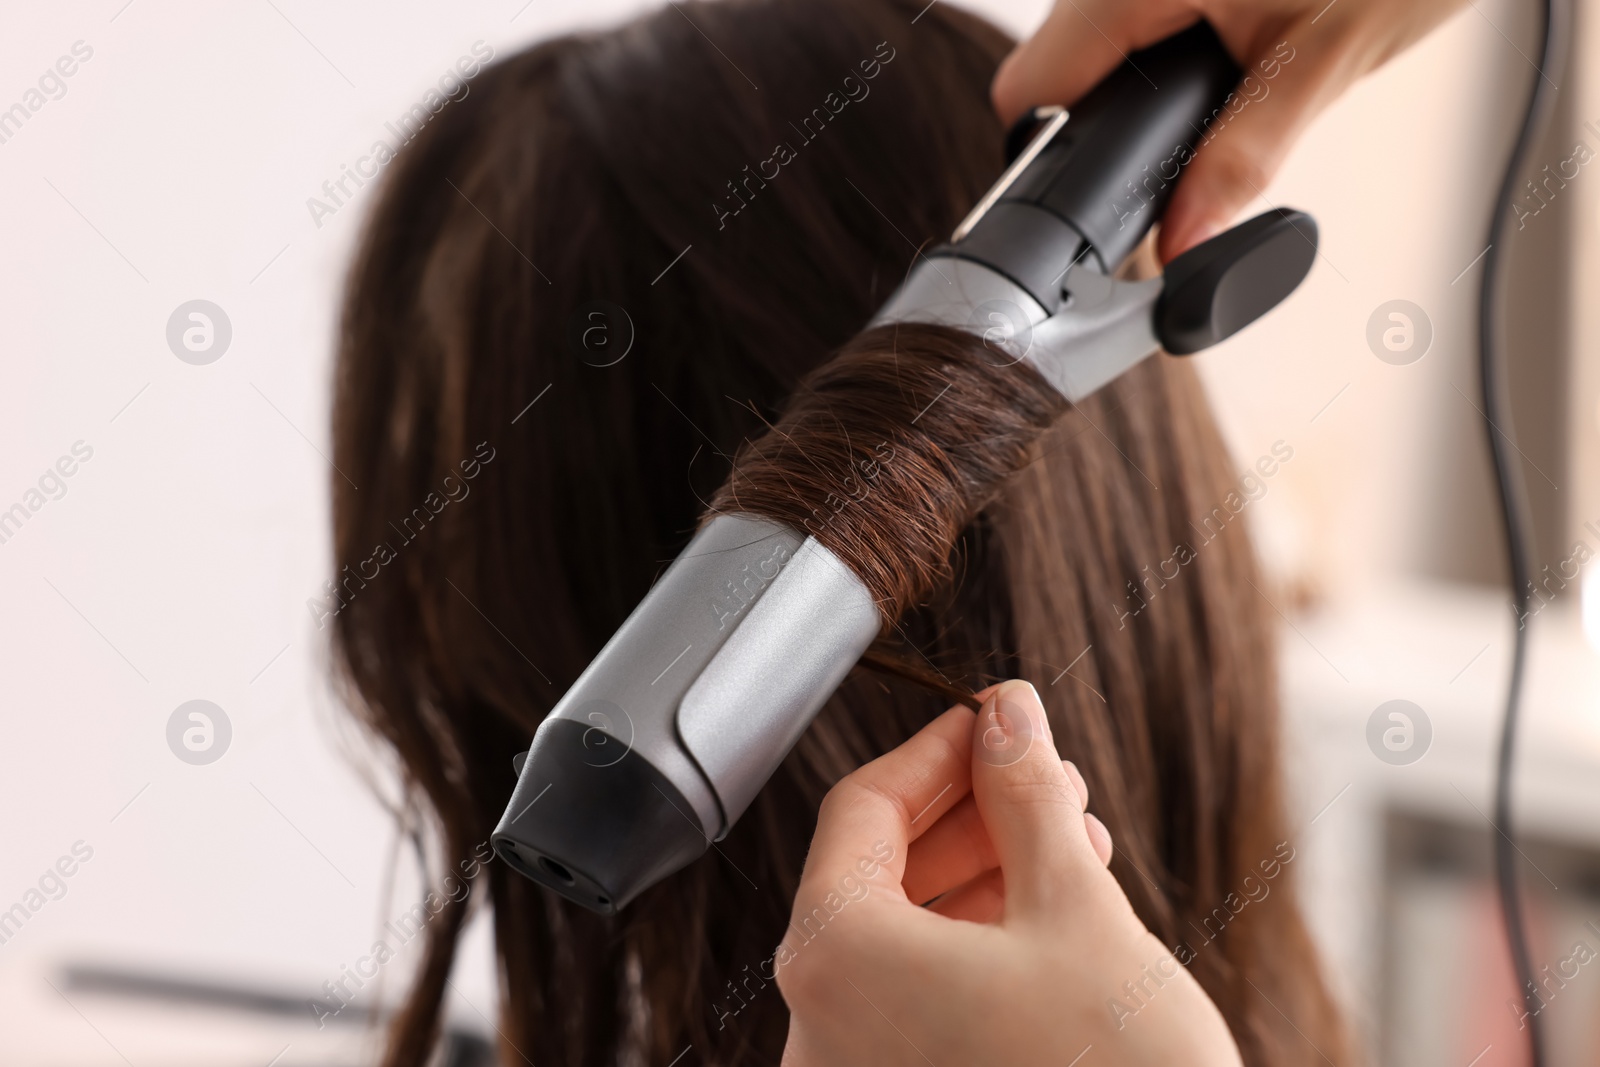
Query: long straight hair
x=726 y=192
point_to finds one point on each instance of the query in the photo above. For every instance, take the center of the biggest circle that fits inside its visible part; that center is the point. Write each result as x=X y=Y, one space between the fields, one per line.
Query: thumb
x=1282 y=90
x=1030 y=807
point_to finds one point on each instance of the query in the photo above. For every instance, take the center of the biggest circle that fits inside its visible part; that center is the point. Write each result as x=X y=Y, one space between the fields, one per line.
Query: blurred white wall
x=177 y=565
x=1390 y=465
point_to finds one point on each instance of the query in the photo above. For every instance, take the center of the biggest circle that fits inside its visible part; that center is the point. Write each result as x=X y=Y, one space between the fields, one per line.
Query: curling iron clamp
x=667 y=736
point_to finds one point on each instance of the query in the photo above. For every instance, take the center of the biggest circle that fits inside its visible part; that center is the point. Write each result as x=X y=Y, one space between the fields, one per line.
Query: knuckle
x=804 y=966
x=796 y=980
x=1041 y=781
x=831 y=799
x=849 y=793
x=1237 y=166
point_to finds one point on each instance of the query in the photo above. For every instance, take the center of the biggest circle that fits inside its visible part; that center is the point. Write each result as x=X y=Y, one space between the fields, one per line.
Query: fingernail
x=1007 y=724
x=1023 y=692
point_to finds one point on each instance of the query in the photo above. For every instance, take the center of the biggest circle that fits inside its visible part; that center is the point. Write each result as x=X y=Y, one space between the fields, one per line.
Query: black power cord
x=1518 y=522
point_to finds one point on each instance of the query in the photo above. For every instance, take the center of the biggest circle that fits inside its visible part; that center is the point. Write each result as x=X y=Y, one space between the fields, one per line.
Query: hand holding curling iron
x=1298 y=56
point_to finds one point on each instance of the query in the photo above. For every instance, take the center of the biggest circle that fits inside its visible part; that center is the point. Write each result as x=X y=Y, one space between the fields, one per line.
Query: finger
x=1100 y=838
x=957 y=848
x=954 y=850
x=870 y=817
x=1032 y=811
x=1252 y=133
x=981 y=900
x=1076 y=777
x=1080 y=42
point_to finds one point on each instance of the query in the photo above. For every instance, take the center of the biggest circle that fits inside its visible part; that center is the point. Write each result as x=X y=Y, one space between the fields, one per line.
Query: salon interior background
x=163 y=523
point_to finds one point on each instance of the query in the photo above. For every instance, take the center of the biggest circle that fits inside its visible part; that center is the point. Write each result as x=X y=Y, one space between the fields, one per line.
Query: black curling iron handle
x=1114 y=167
x=1219 y=287
x=1105 y=178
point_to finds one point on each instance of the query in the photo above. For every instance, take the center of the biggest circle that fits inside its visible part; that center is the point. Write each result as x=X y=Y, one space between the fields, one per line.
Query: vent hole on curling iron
x=556 y=870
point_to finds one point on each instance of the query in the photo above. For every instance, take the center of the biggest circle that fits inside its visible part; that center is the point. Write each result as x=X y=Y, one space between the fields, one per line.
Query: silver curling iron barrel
x=672 y=730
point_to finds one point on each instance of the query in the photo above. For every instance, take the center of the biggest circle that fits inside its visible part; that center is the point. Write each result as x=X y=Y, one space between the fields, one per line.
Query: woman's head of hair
x=585 y=293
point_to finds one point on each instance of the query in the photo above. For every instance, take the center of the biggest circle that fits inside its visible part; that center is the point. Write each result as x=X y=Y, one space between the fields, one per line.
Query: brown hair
x=636 y=167
x=891 y=449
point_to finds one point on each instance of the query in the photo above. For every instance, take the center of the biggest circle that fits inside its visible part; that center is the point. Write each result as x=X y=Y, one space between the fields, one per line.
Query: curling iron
x=668 y=735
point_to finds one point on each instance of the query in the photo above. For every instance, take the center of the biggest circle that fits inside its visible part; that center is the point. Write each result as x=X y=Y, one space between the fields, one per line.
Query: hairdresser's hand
x=1297 y=55
x=1030 y=939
